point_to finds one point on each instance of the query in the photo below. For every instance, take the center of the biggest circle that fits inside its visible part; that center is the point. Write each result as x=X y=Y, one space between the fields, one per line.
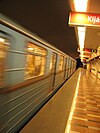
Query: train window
x=61 y=61
x=35 y=61
x=32 y=48
x=3 y=51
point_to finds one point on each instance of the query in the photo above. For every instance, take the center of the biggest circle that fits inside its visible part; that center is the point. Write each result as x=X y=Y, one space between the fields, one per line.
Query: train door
x=67 y=73
x=68 y=67
x=65 y=64
x=54 y=62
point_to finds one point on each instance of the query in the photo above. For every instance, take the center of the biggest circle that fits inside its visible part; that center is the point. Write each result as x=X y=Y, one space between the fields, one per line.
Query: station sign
x=84 y=19
x=87 y=50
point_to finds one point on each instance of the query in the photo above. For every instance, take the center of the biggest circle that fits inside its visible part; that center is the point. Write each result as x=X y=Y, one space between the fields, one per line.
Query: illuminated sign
x=84 y=19
x=87 y=50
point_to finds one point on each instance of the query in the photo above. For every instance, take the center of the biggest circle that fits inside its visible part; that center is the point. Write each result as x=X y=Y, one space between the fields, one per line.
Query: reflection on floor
x=85 y=111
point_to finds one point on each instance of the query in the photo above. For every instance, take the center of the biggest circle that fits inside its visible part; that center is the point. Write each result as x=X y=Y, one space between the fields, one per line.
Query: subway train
x=31 y=72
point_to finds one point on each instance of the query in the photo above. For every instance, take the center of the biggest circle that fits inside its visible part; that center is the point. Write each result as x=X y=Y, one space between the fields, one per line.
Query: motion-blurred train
x=31 y=71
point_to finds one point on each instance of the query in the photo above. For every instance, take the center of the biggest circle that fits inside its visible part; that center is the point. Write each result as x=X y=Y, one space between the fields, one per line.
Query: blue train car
x=31 y=71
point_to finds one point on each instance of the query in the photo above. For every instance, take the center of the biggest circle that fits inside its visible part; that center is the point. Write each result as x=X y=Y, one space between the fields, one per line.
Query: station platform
x=75 y=108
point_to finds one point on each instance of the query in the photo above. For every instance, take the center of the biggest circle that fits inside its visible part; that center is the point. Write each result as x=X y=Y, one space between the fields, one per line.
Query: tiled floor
x=86 y=112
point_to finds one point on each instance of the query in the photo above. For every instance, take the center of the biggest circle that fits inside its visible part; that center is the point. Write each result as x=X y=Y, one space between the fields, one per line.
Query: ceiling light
x=80 y=5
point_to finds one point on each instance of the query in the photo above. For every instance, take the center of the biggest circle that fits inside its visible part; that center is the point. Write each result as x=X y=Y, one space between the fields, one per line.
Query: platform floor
x=85 y=111
x=75 y=108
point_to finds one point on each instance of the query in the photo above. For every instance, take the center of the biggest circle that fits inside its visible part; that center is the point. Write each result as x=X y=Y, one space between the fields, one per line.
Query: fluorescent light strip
x=80 y=5
x=81 y=35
